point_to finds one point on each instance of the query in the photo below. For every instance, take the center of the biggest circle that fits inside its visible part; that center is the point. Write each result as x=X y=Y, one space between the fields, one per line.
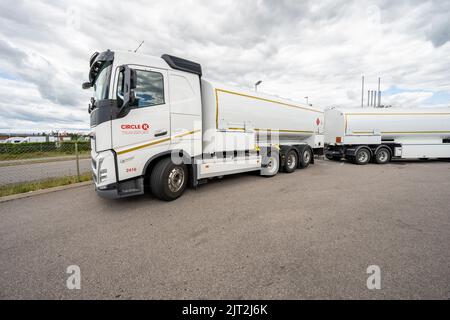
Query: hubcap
x=306 y=156
x=291 y=161
x=382 y=155
x=176 y=179
x=363 y=156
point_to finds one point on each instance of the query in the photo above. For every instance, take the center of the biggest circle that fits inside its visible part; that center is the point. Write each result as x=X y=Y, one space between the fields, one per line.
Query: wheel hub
x=176 y=179
x=291 y=161
x=382 y=156
x=363 y=156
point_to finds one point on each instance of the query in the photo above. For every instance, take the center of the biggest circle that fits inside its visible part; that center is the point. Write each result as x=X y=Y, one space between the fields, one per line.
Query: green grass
x=38 y=154
x=11 y=189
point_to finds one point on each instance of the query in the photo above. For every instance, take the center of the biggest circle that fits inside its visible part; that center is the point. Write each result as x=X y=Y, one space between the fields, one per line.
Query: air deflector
x=182 y=64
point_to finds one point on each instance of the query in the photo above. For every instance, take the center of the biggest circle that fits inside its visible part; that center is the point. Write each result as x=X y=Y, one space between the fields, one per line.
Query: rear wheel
x=382 y=156
x=291 y=161
x=271 y=164
x=168 y=180
x=362 y=156
x=306 y=158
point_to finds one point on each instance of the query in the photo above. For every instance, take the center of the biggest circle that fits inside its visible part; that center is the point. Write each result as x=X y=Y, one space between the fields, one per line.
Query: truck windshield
x=101 y=85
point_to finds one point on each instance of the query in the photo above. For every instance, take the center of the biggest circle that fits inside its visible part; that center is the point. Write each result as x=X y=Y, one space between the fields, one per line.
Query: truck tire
x=291 y=161
x=168 y=180
x=362 y=156
x=271 y=164
x=305 y=158
x=382 y=155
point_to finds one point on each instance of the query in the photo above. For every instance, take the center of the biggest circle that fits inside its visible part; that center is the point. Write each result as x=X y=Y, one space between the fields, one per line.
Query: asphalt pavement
x=307 y=235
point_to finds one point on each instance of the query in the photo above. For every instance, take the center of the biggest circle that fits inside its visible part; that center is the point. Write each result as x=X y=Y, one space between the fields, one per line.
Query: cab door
x=145 y=128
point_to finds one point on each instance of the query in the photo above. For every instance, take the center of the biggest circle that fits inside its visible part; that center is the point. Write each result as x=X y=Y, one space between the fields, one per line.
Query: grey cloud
x=297 y=48
x=439 y=32
x=36 y=69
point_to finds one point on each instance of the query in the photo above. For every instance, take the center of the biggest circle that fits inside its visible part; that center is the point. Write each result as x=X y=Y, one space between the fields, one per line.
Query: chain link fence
x=39 y=162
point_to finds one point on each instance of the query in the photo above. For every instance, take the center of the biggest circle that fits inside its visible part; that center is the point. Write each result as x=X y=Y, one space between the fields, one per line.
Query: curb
x=44 y=191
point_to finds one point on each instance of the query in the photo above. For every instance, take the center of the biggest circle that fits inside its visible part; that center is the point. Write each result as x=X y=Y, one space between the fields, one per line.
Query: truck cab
x=139 y=111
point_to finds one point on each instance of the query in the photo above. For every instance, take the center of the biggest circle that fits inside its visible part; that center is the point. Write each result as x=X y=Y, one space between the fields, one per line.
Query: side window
x=149 y=89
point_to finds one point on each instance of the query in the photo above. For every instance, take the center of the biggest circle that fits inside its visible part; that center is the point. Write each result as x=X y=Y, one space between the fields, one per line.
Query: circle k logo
x=144 y=126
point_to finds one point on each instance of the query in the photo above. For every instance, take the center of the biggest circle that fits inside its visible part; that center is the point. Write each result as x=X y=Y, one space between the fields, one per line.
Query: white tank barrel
x=389 y=123
x=227 y=109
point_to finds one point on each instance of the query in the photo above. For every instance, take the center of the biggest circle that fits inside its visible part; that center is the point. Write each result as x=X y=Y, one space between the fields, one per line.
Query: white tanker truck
x=157 y=123
x=381 y=135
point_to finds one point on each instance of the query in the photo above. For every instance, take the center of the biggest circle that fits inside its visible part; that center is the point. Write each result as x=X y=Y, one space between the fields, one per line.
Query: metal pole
x=379 y=92
x=78 y=161
x=368 y=96
x=374 y=98
x=362 y=93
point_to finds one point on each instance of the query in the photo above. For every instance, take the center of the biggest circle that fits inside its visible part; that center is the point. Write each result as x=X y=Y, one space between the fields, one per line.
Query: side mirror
x=129 y=84
x=86 y=85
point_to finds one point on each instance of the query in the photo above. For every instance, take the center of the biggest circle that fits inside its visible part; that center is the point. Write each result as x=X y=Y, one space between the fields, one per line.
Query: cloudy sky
x=298 y=49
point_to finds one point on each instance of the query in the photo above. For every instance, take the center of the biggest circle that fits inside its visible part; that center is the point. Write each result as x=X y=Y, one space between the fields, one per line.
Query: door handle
x=161 y=133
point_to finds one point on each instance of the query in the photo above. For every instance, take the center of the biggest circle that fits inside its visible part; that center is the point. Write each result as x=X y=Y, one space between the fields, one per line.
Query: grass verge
x=11 y=189
x=37 y=155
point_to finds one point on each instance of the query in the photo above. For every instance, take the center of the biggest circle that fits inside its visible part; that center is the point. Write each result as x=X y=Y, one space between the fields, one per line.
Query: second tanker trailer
x=383 y=134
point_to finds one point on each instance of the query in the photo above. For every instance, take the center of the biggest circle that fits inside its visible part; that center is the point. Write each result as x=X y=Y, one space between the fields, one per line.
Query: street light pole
x=257 y=84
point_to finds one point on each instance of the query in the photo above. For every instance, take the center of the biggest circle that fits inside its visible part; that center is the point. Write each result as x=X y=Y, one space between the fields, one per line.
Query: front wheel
x=168 y=180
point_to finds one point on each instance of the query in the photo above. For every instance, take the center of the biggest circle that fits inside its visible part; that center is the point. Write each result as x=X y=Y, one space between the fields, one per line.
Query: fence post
x=78 y=161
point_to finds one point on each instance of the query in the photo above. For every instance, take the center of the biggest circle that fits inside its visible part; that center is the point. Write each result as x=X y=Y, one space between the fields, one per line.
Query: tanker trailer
x=157 y=124
x=381 y=135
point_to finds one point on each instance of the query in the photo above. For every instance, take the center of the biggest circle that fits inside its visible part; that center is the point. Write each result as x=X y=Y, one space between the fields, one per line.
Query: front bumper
x=122 y=189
